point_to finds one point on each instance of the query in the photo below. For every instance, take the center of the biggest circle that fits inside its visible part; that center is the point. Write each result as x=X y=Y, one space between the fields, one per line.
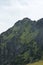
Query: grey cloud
x=4 y=2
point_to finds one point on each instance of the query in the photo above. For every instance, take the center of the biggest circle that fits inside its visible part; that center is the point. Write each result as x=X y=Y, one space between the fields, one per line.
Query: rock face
x=23 y=43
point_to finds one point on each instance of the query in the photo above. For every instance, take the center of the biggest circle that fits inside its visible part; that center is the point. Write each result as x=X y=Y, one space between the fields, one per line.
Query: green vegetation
x=22 y=44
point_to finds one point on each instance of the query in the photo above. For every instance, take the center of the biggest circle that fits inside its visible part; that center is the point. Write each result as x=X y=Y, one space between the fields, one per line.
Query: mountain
x=22 y=43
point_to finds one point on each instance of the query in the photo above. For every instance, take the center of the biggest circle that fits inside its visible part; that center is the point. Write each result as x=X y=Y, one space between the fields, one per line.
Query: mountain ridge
x=21 y=20
x=22 y=43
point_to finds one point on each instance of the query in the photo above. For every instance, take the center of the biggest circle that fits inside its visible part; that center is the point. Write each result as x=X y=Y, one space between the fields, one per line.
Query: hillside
x=37 y=63
x=22 y=43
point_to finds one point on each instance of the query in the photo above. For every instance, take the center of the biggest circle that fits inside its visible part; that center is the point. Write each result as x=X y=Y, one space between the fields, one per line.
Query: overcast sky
x=13 y=10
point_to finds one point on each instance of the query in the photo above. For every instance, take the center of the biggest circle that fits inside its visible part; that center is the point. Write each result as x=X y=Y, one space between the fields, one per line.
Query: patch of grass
x=37 y=63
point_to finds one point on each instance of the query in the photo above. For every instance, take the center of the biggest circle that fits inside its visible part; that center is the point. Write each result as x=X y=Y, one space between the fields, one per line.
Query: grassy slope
x=37 y=63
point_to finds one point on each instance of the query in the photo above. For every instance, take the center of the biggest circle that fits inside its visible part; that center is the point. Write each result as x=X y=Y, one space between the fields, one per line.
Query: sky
x=13 y=10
